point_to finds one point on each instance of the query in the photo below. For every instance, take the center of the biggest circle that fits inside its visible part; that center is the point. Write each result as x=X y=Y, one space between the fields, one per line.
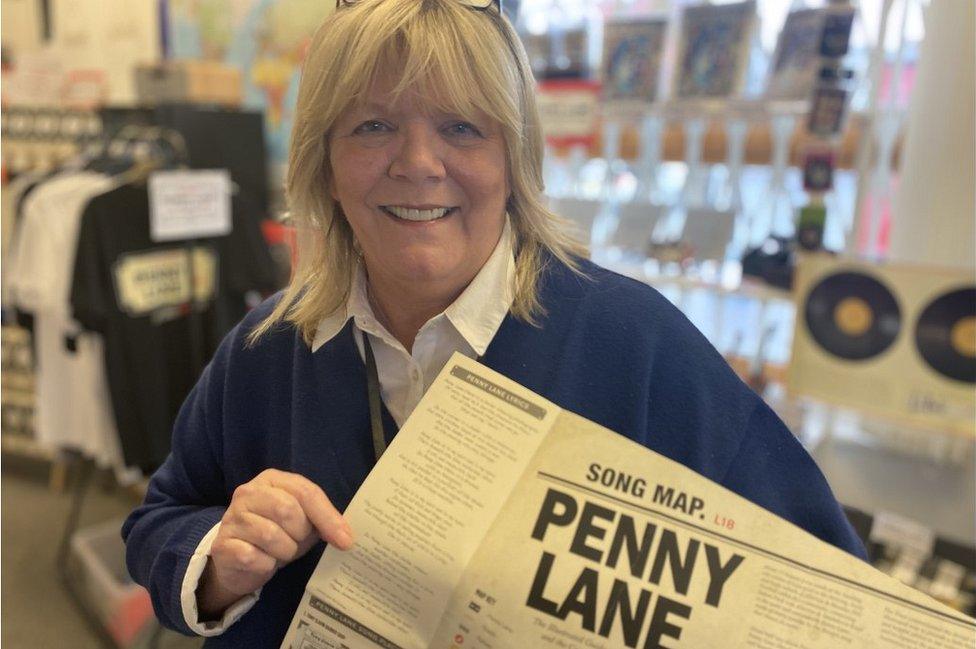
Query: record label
x=964 y=337
x=852 y=316
x=945 y=334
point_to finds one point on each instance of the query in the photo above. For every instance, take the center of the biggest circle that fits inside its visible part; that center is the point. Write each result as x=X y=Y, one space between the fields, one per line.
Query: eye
x=372 y=126
x=463 y=129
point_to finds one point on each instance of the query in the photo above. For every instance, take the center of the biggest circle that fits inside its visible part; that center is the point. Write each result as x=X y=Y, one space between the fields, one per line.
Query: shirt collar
x=476 y=314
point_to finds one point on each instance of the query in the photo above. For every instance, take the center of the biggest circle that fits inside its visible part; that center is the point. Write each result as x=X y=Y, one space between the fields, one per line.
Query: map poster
x=265 y=39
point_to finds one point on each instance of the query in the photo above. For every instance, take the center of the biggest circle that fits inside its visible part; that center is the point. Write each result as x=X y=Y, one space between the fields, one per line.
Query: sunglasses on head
x=480 y=5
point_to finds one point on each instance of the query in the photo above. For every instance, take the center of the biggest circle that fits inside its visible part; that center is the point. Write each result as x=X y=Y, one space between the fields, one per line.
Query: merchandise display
x=852 y=316
x=945 y=334
x=828 y=108
x=581 y=214
x=818 y=171
x=915 y=555
x=707 y=232
x=72 y=409
x=836 y=34
x=714 y=53
x=161 y=308
x=796 y=59
x=82 y=269
x=633 y=228
x=18 y=391
x=570 y=112
x=895 y=340
x=773 y=261
x=632 y=53
x=810 y=229
x=198 y=82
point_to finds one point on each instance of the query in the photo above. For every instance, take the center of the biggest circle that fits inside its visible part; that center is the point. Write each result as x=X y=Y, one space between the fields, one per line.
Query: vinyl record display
x=945 y=334
x=894 y=340
x=852 y=316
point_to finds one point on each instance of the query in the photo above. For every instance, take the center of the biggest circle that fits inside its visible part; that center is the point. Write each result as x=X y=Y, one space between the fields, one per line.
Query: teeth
x=417 y=215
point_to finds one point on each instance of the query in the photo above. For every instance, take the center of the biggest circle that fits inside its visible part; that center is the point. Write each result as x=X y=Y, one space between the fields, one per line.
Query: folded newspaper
x=496 y=519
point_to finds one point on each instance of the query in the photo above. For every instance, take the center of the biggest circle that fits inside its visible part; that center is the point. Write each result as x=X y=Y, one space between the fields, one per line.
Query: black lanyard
x=375 y=400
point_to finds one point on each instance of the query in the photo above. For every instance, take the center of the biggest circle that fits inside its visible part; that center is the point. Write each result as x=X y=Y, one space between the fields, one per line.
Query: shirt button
x=415 y=374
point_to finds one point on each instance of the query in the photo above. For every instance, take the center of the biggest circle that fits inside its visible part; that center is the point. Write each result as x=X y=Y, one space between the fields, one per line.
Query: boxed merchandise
x=96 y=570
x=193 y=82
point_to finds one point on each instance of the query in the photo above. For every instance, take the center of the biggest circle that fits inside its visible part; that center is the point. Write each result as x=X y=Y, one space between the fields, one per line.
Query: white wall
x=934 y=220
x=20 y=27
x=109 y=35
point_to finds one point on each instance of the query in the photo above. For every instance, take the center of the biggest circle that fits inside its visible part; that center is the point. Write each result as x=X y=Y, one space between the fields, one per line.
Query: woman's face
x=423 y=190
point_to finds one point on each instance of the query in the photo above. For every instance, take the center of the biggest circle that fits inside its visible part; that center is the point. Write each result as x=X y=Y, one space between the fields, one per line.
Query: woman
x=415 y=180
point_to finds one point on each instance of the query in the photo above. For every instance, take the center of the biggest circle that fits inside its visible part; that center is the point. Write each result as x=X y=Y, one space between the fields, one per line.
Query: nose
x=418 y=157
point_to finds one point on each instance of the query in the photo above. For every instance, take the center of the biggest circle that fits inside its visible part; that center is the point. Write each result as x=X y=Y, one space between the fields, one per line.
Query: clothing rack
x=162 y=147
x=48 y=139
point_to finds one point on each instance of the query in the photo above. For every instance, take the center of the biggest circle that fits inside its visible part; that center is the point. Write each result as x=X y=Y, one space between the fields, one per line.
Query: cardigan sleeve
x=772 y=469
x=185 y=499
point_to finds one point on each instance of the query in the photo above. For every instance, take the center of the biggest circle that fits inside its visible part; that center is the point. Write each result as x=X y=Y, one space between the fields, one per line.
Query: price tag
x=189 y=204
x=569 y=112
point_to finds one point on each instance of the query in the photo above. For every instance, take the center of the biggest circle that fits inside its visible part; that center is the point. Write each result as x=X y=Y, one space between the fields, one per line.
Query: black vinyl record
x=945 y=334
x=852 y=316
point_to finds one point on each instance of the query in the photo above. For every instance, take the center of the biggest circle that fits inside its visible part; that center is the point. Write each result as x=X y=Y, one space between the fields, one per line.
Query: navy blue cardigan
x=610 y=349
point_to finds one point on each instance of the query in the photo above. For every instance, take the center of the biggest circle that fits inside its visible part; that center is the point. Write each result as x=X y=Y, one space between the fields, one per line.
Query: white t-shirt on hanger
x=73 y=407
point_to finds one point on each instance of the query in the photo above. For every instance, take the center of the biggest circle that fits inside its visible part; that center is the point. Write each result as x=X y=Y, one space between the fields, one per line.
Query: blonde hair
x=464 y=64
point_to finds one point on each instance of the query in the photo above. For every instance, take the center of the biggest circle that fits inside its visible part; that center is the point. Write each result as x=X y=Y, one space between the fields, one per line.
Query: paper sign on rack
x=189 y=204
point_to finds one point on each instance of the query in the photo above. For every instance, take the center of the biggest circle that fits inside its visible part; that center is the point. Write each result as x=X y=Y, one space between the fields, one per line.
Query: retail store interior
x=797 y=177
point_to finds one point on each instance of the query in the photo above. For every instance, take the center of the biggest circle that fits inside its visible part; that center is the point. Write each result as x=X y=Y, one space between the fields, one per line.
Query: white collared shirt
x=466 y=326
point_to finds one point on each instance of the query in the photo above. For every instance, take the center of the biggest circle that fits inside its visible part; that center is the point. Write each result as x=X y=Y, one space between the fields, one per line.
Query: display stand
x=775 y=214
x=549 y=170
x=605 y=220
x=866 y=145
x=649 y=160
x=885 y=128
x=693 y=190
x=669 y=229
x=611 y=154
x=729 y=196
x=876 y=210
x=577 y=160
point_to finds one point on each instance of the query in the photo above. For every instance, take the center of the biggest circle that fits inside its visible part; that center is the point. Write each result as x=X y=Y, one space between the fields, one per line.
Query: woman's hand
x=272 y=520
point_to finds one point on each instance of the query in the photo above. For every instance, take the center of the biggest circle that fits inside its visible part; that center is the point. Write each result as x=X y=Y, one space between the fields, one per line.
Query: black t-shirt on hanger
x=136 y=293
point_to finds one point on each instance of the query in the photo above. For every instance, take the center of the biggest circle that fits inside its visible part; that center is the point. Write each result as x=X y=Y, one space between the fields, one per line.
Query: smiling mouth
x=411 y=214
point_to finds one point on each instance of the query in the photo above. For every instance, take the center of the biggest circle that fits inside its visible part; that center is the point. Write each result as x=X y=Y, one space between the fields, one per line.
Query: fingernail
x=343 y=539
